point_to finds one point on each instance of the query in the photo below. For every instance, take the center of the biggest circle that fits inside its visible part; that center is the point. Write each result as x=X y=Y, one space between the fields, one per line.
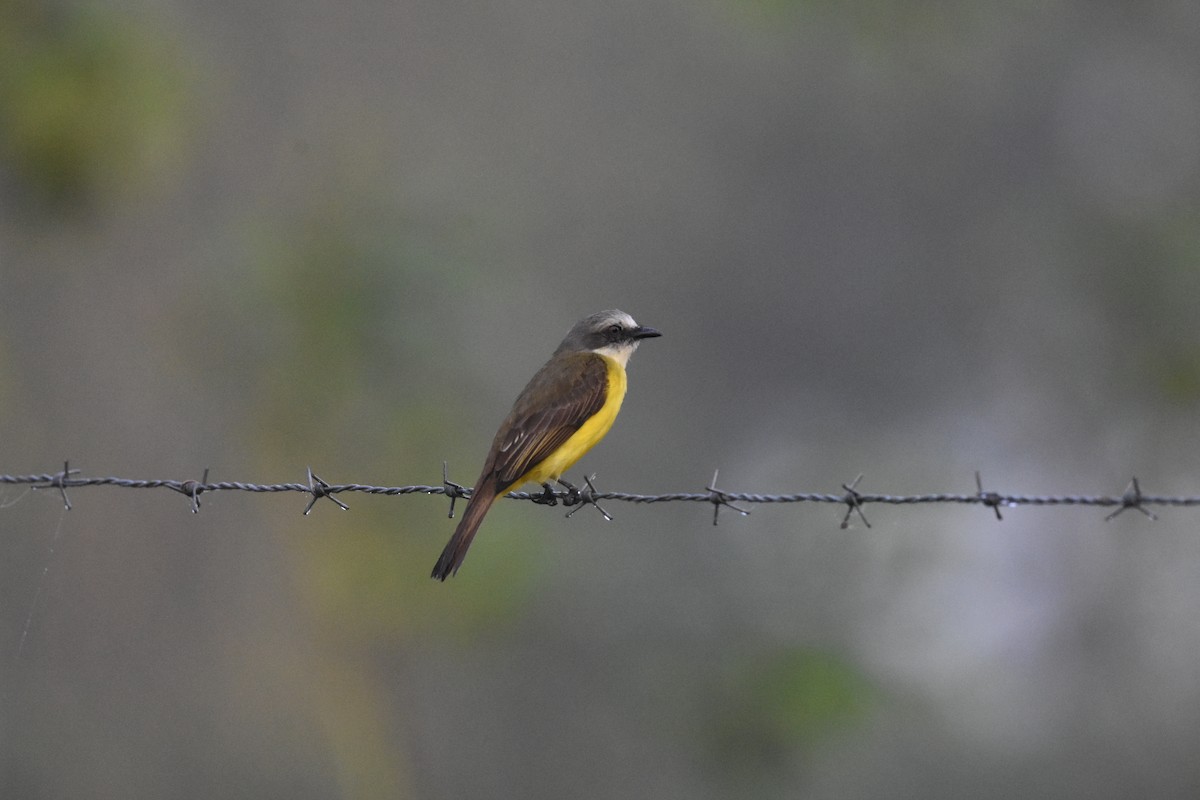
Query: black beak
x=643 y=332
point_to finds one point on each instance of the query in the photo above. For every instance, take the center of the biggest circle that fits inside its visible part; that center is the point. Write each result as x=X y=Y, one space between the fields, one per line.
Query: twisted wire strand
x=1131 y=498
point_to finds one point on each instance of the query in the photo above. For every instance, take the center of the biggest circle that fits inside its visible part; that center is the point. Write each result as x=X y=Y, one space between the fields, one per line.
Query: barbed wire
x=577 y=497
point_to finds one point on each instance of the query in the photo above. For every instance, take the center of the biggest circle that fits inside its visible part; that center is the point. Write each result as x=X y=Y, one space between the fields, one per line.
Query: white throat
x=618 y=352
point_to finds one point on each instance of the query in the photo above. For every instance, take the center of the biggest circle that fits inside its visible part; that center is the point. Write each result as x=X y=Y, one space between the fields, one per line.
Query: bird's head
x=612 y=333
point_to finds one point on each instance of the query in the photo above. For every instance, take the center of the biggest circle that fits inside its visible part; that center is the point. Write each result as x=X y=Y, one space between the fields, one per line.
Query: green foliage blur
x=92 y=103
x=773 y=705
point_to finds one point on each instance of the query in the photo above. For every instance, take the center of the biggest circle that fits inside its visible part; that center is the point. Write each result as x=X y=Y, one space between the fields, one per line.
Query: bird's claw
x=547 y=497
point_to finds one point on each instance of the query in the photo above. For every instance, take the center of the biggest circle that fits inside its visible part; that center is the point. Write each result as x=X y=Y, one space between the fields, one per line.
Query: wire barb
x=193 y=489
x=318 y=489
x=853 y=501
x=60 y=481
x=719 y=498
x=1132 y=498
x=451 y=489
x=583 y=497
x=989 y=499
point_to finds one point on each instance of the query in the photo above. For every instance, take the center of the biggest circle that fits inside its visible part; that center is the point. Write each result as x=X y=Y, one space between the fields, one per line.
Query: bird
x=566 y=408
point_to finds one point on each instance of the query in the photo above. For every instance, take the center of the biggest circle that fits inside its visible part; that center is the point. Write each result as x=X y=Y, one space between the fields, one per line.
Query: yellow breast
x=553 y=466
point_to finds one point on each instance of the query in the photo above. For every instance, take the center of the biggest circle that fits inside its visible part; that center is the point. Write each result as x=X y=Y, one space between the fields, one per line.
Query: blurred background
x=908 y=239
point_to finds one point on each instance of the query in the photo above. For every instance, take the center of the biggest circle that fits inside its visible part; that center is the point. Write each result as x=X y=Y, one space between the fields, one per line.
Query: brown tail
x=456 y=549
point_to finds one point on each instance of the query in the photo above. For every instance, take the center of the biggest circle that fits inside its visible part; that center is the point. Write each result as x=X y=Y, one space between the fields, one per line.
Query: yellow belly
x=553 y=466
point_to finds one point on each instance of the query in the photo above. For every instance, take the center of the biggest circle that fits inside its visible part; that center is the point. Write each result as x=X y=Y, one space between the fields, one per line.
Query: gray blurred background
x=909 y=239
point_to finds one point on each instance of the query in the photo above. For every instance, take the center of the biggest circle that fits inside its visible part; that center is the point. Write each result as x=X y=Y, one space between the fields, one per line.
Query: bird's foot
x=547 y=497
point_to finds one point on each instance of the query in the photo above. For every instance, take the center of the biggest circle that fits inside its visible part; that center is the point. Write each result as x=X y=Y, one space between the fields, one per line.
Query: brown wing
x=558 y=400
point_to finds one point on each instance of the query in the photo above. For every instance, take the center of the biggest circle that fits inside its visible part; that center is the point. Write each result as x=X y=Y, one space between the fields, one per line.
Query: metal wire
x=851 y=497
